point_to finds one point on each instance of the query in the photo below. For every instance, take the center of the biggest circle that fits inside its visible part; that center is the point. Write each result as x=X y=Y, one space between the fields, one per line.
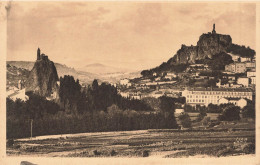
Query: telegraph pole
x=31 y=127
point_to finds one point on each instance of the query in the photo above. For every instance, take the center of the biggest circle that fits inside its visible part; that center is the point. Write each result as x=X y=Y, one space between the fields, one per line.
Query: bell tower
x=38 y=54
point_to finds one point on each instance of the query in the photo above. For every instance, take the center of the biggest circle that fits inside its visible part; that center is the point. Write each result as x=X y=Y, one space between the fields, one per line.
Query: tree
x=167 y=107
x=95 y=85
x=189 y=108
x=212 y=108
x=185 y=120
x=202 y=112
x=167 y=104
x=230 y=113
x=205 y=121
x=219 y=61
x=249 y=110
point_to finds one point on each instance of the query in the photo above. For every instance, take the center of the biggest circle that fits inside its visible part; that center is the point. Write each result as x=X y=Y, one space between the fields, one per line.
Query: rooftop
x=222 y=89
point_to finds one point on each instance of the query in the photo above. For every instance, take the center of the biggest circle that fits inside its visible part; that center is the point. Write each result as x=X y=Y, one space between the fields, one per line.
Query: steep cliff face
x=211 y=44
x=43 y=78
x=187 y=54
x=207 y=46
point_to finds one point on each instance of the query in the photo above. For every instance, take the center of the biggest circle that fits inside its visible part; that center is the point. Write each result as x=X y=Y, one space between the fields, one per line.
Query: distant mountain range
x=98 y=68
x=87 y=74
x=62 y=70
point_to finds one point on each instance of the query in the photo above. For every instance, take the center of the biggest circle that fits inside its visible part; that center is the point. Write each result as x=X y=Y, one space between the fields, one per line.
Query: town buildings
x=236 y=67
x=241 y=102
x=205 y=96
x=243 y=81
x=125 y=82
x=16 y=93
x=253 y=80
x=251 y=73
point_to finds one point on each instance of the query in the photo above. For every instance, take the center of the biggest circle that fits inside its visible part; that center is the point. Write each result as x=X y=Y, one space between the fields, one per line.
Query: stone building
x=236 y=67
x=205 y=96
x=243 y=81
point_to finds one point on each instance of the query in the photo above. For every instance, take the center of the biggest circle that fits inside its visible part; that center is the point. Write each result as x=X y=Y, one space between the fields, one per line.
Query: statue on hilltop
x=213 y=31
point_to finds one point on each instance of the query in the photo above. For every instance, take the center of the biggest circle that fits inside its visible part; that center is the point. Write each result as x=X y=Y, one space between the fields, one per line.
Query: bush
x=212 y=108
x=230 y=113
x=241 y=144
x=96 y=153
x=248 y=148
x=202 y=113
x=212 y=124
x=185 y=120
x=225 y=151
x=10 y=143
x=17 y=146
x=113 y=153
x=205 y=121
x=145 y=153
x=189 y=108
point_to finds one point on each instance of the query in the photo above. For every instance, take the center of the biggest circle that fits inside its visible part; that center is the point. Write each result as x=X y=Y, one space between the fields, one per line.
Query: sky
x=133 y=35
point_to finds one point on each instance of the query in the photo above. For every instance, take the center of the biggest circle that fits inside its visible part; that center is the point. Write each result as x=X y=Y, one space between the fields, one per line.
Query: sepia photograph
x=147 y=80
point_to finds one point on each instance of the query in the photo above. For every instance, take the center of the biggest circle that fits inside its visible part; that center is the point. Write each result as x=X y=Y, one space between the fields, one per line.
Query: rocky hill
x=43 y=78
x=209 y=45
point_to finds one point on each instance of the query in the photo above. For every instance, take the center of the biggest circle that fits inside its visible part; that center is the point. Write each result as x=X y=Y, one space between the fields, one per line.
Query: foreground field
x=144 y=143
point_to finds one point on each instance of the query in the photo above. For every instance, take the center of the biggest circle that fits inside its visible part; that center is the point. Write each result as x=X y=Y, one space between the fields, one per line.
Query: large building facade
x=236 y=67
x=206 y=96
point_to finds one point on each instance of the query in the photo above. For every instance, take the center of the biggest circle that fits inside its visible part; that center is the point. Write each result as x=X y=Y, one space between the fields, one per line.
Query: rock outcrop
x=207 y=46
x=43 y=77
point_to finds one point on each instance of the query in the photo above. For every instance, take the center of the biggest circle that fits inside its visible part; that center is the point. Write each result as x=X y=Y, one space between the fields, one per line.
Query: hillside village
x=199 y=83
x=206 y=95
x=130 y=80
x=197 y=80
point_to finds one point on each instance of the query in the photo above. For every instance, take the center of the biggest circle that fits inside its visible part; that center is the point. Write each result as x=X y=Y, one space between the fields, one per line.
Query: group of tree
x=211 y=108
x=249 y=110
x=230 y=113
x=241 y=50
x=95 y=97
x=217 y=62
x=185 y=120
x=97 y=107
x=165 y=67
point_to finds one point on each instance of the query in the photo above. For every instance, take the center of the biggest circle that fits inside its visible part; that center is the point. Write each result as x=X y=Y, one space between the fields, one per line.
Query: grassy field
x=225 y=140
